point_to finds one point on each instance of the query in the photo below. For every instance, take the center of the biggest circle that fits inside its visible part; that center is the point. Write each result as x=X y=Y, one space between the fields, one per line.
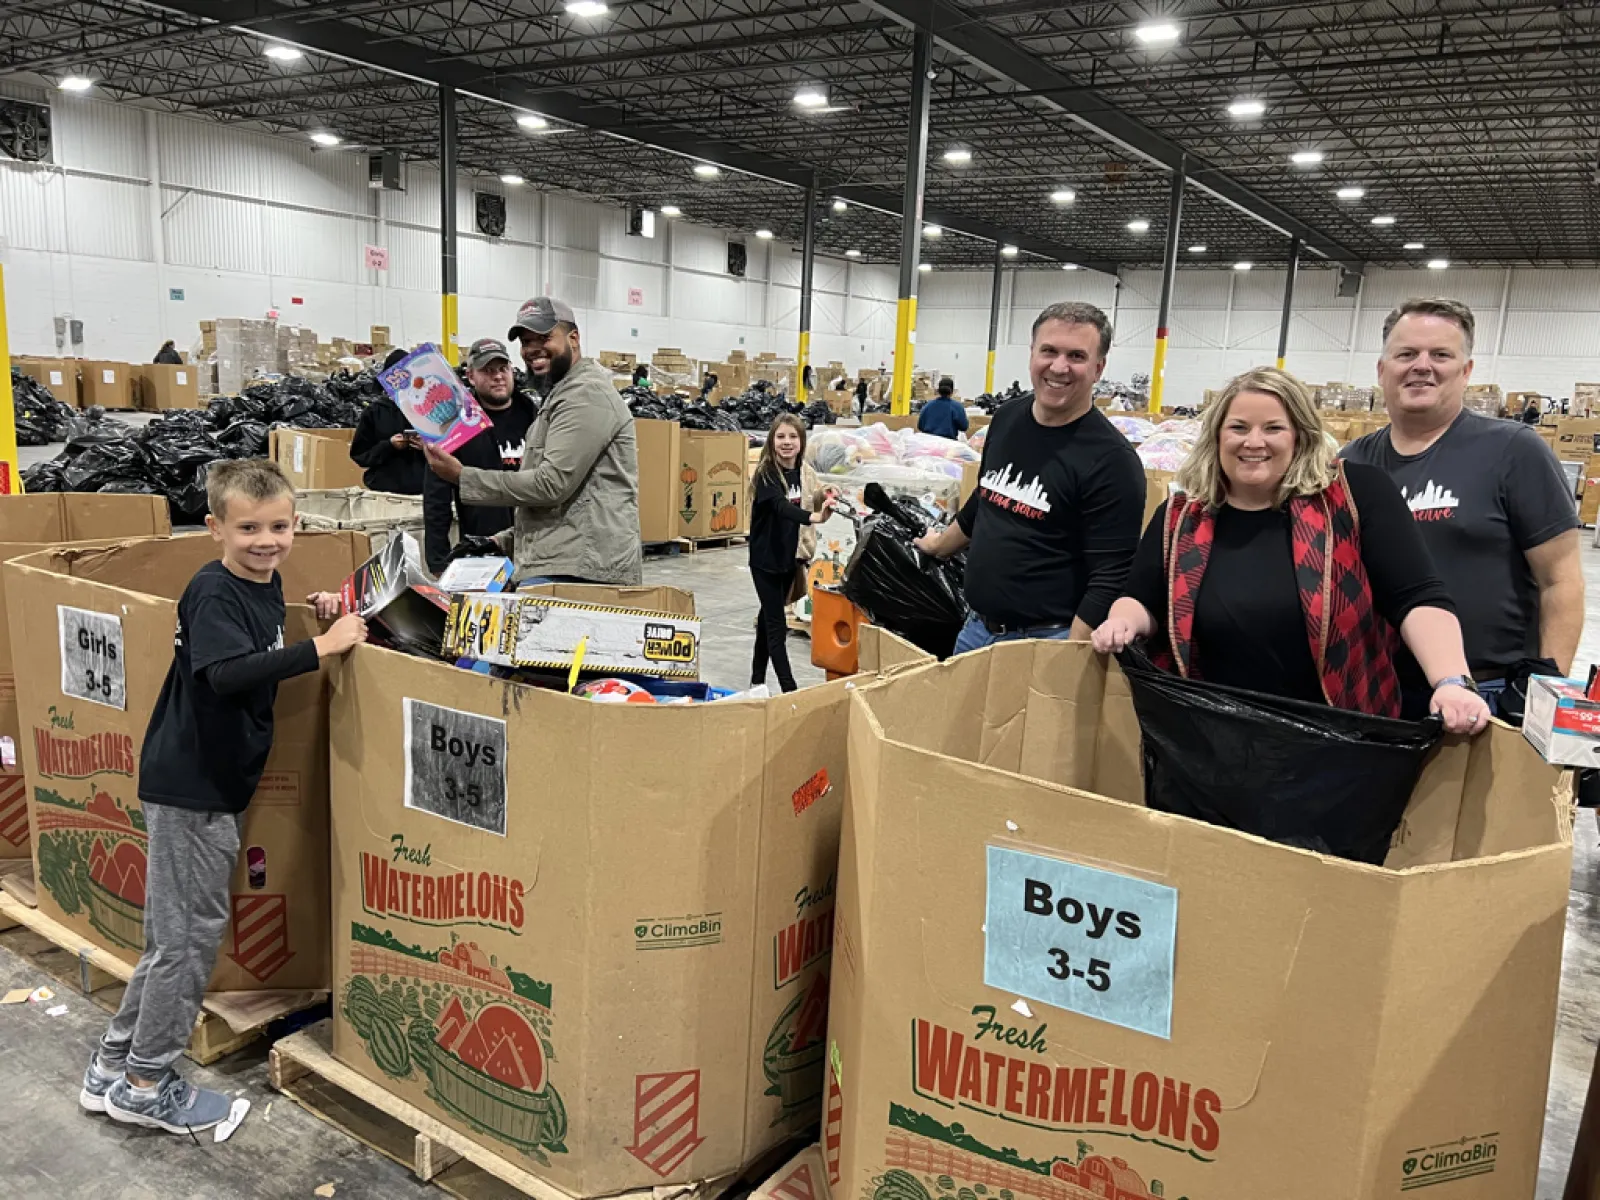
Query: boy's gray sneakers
x=173 y=1104
x=96 y=1083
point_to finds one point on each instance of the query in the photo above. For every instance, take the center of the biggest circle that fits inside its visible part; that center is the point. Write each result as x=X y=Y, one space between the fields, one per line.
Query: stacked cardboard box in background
x=246 y=350
x=315 y=459
x=616 y=360
x=58 y=375
x=1585 y=399
x=297 y=350
x=670 y=367
x=1485 y=398
x=714 y=483
x=158 y=386
x=108 y=384
x=660 y=463
x=782 y=373
x=1343 y=397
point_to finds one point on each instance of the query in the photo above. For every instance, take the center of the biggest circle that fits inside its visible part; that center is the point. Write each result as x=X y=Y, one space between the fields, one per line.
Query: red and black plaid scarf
x=1352 y=645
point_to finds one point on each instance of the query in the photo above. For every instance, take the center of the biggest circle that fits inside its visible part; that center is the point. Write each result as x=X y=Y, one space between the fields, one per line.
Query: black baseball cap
x=485 y=351
x=540 y=315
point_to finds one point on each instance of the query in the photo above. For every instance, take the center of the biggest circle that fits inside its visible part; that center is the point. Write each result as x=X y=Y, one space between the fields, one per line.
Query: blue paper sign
x=1090 y=941
x=175 y=293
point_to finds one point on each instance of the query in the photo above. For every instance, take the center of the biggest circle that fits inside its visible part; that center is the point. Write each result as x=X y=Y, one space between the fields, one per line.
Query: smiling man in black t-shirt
x=1058 y=510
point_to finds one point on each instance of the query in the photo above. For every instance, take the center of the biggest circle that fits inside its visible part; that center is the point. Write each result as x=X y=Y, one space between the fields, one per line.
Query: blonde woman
x=1279 y=569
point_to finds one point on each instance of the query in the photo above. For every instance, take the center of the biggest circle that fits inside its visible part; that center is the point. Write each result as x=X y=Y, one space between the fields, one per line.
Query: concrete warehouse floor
x=282 y=1152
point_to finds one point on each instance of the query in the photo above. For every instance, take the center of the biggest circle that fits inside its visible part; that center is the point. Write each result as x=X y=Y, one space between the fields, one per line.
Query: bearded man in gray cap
x=576 y=498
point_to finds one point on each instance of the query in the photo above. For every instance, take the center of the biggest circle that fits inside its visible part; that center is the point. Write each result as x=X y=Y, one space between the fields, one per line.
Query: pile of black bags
x=754 y=411
x=170 y=456
x=989 y=403
x=41 y=418
x=900 y=588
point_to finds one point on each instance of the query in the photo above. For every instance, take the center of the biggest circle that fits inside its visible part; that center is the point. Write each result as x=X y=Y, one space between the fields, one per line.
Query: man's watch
x=1463 y=681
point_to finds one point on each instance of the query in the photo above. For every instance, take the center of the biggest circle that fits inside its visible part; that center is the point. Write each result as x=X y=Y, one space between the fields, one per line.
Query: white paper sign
x=55 y=378
x=456 y=765
x=182 y=377
x=93 y=658
x=108 y=376
x=299 y=454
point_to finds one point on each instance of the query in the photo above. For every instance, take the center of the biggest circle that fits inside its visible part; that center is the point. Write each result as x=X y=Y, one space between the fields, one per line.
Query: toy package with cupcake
x=433 y=398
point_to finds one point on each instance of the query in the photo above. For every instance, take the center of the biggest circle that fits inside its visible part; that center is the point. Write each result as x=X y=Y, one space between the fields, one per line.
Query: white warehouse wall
x=139 y=204
x=1225 y=321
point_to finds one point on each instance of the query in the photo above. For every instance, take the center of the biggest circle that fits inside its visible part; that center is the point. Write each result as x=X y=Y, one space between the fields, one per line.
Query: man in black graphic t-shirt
x=1055 y=519
x=511 y=414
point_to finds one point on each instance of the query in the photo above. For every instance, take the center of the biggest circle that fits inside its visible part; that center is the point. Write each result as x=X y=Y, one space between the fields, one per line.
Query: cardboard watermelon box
x=1042 y=988
x=92 y=632
x=28 y=524
x=594 y=937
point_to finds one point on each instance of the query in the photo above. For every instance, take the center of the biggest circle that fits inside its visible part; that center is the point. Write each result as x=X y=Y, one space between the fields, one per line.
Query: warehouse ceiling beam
x=967 y=35
x=337 y=39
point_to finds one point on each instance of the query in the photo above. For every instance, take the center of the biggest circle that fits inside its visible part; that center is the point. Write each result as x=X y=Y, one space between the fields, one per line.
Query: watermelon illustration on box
x=610 y=969
x=115 y=610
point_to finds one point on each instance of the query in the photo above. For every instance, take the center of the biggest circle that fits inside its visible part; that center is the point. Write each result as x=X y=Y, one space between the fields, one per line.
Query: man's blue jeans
x=975 y=635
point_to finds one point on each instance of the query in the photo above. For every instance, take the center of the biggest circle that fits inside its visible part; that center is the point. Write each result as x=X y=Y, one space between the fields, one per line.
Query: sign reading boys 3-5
x=93 y=662
x=456 y=765
x=1079 y=938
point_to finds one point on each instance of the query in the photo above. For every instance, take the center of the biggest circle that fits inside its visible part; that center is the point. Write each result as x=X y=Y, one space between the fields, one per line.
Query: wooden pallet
x=16 y=879
x=302 y=1067
x=670 y=549
x=228 y=1021
x=696 y=545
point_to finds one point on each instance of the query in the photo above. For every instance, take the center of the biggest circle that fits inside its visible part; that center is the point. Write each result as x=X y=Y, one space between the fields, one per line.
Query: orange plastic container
x=835 y=631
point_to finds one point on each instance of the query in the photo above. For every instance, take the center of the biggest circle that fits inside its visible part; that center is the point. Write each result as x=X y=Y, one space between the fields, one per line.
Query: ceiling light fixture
x=932 y=231
x=532 y=122
x=1383 y=220
x=1351 y=193
x=1063 y=196
x=281 y=53
x=764 y=234
x=1139 y=226
x=1009 y=251
x=1198 y=248
x=1243 y=266
x=840 y=206
x=1244 y=107
x=511 y=180
x=811 y=96
x=76 y=83
x=924 y=267
x=1413 y=246
x=326 y=139
x=707 y=171
x=586 y=8
x=670 y=210
x=1069 y=266
x=958 y=155
x=1157 y=33
x=1306 y=158
x=852 y=254
x=1438 y=264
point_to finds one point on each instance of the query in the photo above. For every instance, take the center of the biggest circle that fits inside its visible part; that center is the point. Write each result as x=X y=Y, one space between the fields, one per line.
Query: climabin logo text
x=1448 y=1162
x=677 y=933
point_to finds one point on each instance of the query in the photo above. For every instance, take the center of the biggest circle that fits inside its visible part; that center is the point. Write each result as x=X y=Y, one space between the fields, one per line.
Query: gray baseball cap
x=485 y=351
x=540 y=315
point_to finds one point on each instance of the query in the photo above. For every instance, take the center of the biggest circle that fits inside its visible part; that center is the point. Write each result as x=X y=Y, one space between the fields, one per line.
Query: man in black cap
x=386 y=447
x=510 y=413
x=576 y=498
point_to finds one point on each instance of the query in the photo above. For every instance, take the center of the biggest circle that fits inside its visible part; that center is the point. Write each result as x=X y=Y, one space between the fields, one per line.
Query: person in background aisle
x=787 y=501
x=1531 y=415
x=641 y=373
x=1279 y=569
x=576 y=498
x=387 y=447
x=1055 y=518
x=204 y=752
x=943 y=416
x=168 y=355
x=499 y=448
x=1493 y=505
x=861 y=397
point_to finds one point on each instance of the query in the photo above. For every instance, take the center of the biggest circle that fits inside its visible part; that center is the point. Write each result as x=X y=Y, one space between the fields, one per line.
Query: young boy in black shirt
x=204 y=752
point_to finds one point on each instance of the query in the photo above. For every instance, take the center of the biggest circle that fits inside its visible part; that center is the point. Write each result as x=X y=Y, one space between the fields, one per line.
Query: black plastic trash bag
x=900 y=588
x=43 y=477
x=1307 y=775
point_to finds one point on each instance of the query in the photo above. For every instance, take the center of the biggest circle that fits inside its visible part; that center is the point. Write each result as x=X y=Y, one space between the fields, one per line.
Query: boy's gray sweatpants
x=191 y=860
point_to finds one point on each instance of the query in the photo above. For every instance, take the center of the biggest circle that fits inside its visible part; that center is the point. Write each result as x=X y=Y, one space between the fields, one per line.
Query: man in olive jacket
x=576 y=497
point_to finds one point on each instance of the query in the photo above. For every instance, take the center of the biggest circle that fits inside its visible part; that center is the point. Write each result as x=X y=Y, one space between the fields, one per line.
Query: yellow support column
x=988 y=375
x=905 y=342
x=1158 y=373
x=10 y=470
x=801 y=364
x=451 y=328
